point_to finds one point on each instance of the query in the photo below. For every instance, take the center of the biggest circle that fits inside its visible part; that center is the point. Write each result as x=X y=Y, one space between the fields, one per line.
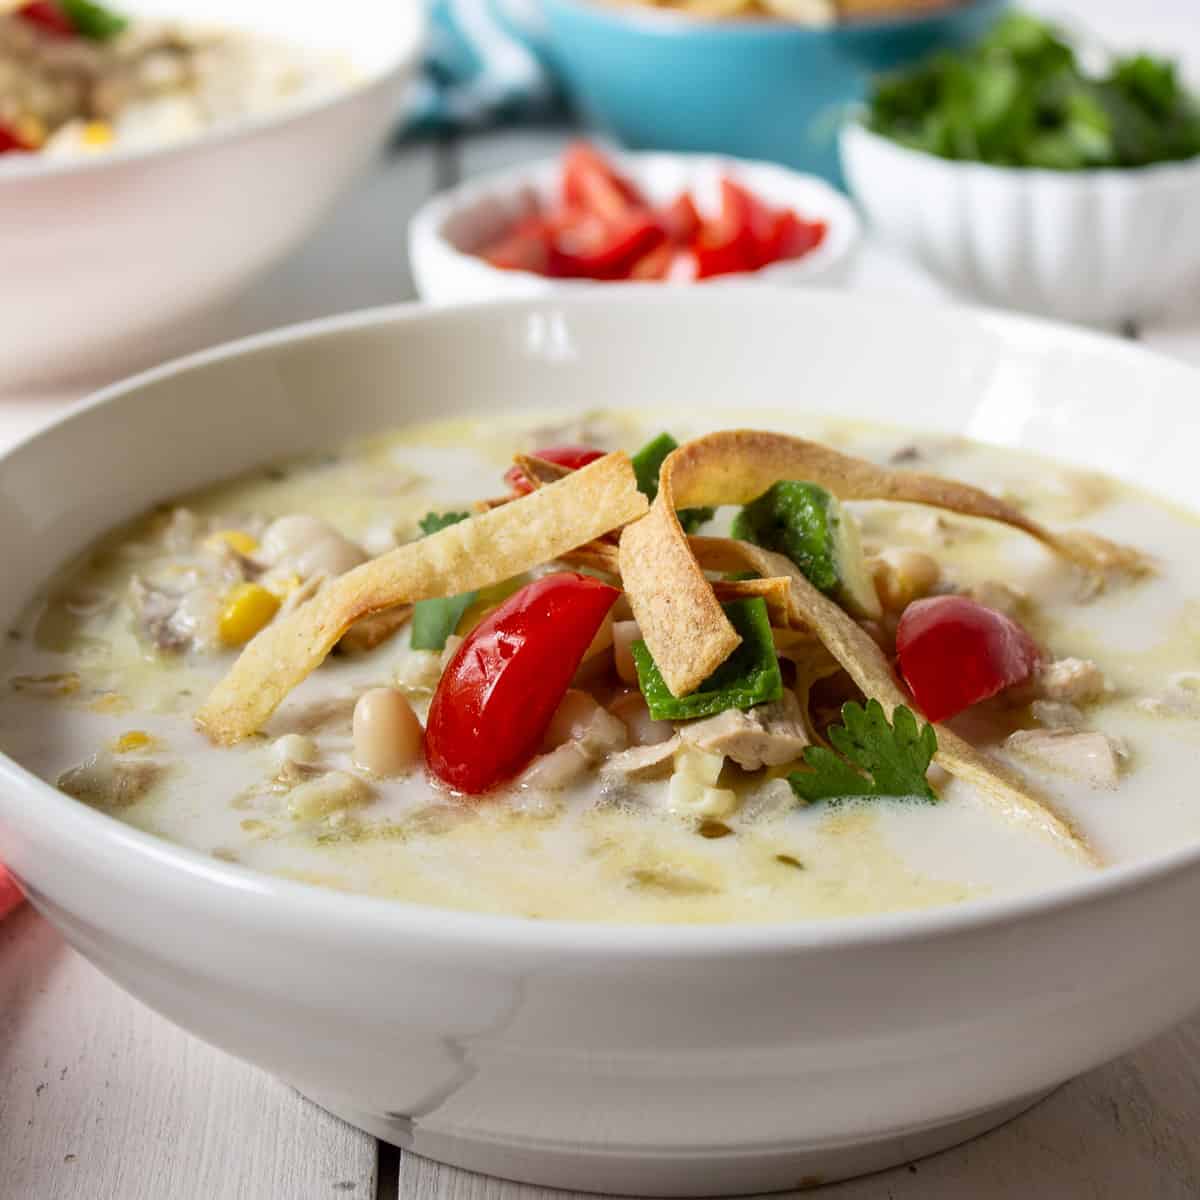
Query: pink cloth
x=10 y=894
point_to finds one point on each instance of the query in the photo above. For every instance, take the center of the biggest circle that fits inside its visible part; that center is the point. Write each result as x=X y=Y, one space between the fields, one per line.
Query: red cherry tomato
x=954 y=652
x=47 y=16
x=791 y=237
x=654 y=264
x=591 y=185
x=572 y=457
x=496 y=698
x=11 y=142
x=10 y=894
x=525 y=247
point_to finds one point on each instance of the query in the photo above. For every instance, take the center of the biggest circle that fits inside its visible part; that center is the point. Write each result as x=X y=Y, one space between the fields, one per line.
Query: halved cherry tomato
x=736 y=240
x=572 y=457
x=954 y=652
x=10 y=894
x=680 y=219
x=590 y=184
x=496 y=698
x=12 y=142
x=526 y=247
x=47 y=16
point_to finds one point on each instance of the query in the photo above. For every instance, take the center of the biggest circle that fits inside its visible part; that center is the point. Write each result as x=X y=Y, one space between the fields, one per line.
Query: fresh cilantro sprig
x=433 y=621
x=874 y=758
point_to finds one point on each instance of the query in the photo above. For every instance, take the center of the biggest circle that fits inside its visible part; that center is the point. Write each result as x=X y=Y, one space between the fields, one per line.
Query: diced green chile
x=433 y=621
x=647 y=463
x=806 y=524
x=749 y=676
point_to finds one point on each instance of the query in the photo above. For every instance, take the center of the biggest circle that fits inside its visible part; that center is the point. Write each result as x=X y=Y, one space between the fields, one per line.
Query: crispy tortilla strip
x=684 y=627
x=866 y=664
x=475 y=553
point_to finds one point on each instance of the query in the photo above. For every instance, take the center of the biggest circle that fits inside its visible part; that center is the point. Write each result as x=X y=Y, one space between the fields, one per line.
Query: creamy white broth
x=75 y=685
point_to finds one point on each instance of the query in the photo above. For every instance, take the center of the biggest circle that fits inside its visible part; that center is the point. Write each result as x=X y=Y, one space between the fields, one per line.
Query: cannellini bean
x=331 y=556
x=293 y=748
x=624 y=634
x=644 y=730
x=387 y=734
x=903 y=575
x=289 y=536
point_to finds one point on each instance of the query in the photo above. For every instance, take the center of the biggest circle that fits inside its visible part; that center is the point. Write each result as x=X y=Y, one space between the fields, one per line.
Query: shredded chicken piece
x=644 y=762
x=1003 y=597
x=1090 y=756
x=768 y=735
x=1071 y=680
x=1057 y=714
x=558 y=769
x=105 y=782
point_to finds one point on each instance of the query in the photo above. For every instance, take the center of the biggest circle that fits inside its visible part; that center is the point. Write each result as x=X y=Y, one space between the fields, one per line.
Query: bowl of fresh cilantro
x=1037 y=173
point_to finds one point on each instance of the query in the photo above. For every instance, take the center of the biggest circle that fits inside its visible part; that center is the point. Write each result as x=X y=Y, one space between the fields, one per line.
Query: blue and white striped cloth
x=482 y=65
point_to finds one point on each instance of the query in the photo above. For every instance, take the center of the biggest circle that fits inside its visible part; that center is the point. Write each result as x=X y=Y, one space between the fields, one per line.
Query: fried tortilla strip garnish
x=473 y=554
x=682 y=622
x=866 y=664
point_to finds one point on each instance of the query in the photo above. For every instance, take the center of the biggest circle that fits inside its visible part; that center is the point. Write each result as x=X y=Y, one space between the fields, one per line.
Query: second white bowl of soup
x=442 y=910
x=165 y=167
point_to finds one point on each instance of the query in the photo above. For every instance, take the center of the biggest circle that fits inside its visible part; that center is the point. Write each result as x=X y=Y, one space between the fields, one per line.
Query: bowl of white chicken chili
x=155 y=157
x=628 y=742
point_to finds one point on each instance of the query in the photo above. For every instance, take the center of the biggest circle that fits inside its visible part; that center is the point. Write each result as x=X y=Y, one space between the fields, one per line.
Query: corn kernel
x=131 y=742
x=97 y=134
x=235 y=539
x=284 y=585
x=247 y=608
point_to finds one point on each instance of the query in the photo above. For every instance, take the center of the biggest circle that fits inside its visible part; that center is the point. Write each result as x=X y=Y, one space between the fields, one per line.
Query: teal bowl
x=758 y=89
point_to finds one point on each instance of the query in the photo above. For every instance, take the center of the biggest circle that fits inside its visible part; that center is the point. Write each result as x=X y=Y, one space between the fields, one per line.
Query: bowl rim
x=677 y=23
x=37 y=166
x=427 y=226
x=1173 y=170
x=280 y=903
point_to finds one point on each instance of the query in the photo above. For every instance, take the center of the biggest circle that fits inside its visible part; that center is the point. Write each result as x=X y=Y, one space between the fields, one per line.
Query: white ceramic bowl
x=101 y=257
x=445 y=231
x=648 y=1060
x=1100 y=247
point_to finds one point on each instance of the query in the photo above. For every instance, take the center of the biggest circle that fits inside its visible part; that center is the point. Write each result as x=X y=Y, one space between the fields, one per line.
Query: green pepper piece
x=749 y=676
x=805 y=523
x=93 y=21
x=647 y=463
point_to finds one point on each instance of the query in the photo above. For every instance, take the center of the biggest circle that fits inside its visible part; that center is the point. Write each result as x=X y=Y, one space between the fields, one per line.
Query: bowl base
x=677 y=1172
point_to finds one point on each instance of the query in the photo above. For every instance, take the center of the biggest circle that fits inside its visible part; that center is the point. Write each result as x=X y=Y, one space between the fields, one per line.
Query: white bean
x=387 y=733
x=625 y=633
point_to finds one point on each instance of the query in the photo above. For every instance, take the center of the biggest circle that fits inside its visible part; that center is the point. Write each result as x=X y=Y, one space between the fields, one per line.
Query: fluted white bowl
x=1099 y=247
x=447 y=233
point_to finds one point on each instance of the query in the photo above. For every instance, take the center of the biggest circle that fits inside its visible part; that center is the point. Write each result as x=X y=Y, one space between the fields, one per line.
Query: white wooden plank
x=100 y=1099
x=1127 y=1130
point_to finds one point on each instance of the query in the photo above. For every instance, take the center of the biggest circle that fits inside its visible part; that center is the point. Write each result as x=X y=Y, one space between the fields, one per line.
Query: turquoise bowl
x=758 y=89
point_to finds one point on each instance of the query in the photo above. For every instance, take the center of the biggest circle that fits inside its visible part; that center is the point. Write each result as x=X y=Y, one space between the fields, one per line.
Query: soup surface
x=618 y=817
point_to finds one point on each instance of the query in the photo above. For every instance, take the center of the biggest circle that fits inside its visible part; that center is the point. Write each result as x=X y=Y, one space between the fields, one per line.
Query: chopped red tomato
x=680 y=219
x=496 y=698
x=10 y=894
x=12 y=142
x=654 y=264
x=591 y=185
x=572 y=457
x=791 y=236
x=954 y=652
x=524 y=248
x=589 y=247
x=47 y=16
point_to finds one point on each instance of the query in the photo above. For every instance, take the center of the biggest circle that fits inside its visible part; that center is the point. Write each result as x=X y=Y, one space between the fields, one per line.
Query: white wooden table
x=101 y=1099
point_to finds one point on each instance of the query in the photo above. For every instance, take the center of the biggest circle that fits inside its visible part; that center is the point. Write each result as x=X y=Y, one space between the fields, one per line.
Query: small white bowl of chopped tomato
x=591 y=217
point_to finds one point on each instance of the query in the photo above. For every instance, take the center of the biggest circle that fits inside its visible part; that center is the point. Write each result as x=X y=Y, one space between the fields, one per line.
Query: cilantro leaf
x=876 y=759
x=433 y=621
x=435 y=522
x=749 y=676
x=92 y=20
x=647 y=463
